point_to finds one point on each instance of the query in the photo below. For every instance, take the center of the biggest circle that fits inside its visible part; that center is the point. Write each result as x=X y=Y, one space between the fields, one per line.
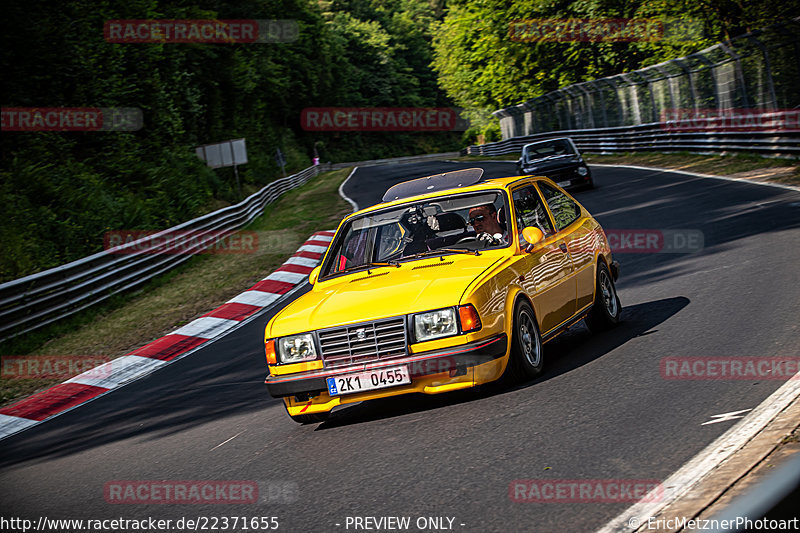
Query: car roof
x=486 y=184
x=548 y=140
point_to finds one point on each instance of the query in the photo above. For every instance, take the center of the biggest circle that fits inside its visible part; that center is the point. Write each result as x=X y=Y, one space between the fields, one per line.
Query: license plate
x=564 y=183
x=369 y=380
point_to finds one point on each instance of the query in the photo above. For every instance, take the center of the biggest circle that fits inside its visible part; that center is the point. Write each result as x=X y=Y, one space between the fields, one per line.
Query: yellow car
x=452 y=282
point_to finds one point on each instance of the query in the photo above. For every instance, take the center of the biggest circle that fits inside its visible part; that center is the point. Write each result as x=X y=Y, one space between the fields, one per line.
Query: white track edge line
x=349 y=200
x=698 y=175
x=693 y=471
x=688 y=173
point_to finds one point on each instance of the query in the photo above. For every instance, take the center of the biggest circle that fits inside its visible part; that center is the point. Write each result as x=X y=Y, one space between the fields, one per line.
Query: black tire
x=527 y=359
x=606 y=309
x=313 y=418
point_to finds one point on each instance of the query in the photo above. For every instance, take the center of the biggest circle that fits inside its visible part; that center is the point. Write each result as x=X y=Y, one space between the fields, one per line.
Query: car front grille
x=357 y=343
x=563 y=175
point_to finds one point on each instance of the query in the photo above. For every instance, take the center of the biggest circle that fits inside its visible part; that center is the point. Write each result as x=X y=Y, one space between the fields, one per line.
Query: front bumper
x=456 y=360
x=567 y=178
x=573 y=182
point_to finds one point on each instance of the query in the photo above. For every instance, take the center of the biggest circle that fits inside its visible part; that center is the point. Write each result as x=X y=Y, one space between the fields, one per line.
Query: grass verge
x=201 y=284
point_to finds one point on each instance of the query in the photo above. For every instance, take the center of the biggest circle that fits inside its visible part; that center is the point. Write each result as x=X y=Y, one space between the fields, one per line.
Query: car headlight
x=296 y=348
x=435 y=324
x=583 y=171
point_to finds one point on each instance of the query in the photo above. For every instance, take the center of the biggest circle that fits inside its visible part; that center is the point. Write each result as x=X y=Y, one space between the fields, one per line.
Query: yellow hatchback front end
x=421 y=294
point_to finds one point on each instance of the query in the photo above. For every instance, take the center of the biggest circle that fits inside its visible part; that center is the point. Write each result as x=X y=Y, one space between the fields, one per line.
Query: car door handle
x=563 y=247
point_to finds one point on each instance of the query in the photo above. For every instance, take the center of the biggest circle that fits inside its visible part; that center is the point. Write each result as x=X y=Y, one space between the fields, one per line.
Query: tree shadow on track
x=573 y=349
x=222 y=380
x=732 y=216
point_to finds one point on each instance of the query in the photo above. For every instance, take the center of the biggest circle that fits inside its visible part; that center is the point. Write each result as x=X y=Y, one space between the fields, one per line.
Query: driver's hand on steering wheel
x=490 y=240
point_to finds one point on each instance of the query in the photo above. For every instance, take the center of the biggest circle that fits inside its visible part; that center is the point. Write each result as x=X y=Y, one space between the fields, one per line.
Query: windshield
x=552 y=148
x=447 y=224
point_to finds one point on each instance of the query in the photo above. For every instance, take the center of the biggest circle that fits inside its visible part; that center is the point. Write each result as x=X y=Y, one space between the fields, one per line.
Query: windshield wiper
x=362 y=266
x=442 y=250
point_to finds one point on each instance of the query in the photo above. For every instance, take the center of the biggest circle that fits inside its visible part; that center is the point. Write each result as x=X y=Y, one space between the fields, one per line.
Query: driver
x=483 y=219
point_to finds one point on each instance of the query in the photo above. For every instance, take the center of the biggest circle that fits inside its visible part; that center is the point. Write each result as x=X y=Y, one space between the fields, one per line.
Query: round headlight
x=583 y=171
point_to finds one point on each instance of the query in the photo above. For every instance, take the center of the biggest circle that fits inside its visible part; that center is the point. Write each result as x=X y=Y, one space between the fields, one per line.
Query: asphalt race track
x=601 y=411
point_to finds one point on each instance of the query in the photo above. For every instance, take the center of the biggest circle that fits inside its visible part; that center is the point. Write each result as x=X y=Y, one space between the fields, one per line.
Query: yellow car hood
x=388 y=291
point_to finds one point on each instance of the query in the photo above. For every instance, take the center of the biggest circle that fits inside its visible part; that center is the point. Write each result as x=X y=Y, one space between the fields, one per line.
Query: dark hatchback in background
x=559 y=160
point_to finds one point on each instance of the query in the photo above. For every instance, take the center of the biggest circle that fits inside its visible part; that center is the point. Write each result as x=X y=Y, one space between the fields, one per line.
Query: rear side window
x=564 y=210
x=530 y=211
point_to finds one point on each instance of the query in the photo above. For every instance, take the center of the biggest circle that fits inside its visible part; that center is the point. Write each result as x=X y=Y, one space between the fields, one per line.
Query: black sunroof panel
x=437 y=182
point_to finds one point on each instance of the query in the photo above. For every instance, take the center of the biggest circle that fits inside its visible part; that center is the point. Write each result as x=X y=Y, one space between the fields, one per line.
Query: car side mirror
x=312 y=277
x=532 y=236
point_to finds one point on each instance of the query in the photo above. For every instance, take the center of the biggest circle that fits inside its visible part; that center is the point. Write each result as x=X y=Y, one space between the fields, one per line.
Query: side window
x=353 y=251
x=564 y=210
x=530 y=211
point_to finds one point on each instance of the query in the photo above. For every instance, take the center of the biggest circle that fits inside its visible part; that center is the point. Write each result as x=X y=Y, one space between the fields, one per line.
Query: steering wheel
x=490 y=241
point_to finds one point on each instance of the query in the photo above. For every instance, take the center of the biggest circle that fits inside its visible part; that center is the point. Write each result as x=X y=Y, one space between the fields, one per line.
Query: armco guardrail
x=657 y=137
x=756 y=72
x=396 y=160
x=39 y=299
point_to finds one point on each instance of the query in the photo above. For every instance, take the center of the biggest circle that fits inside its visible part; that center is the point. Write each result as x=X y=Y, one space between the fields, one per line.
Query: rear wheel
x=607 y=307
x=526 y=359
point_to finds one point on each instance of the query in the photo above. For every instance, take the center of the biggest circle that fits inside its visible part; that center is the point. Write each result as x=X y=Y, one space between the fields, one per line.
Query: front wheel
x=526 y=359
x=607 y=307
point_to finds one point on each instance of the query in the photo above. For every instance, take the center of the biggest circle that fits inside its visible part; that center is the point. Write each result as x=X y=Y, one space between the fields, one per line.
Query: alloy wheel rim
x=531 y=347
x=609 y=296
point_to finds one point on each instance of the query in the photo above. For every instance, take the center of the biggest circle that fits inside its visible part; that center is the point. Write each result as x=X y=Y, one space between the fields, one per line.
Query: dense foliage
x=61 y=191
x=481 y=67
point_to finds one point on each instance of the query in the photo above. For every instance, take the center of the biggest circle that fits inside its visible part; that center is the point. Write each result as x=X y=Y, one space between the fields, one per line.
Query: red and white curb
x=140 y=362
